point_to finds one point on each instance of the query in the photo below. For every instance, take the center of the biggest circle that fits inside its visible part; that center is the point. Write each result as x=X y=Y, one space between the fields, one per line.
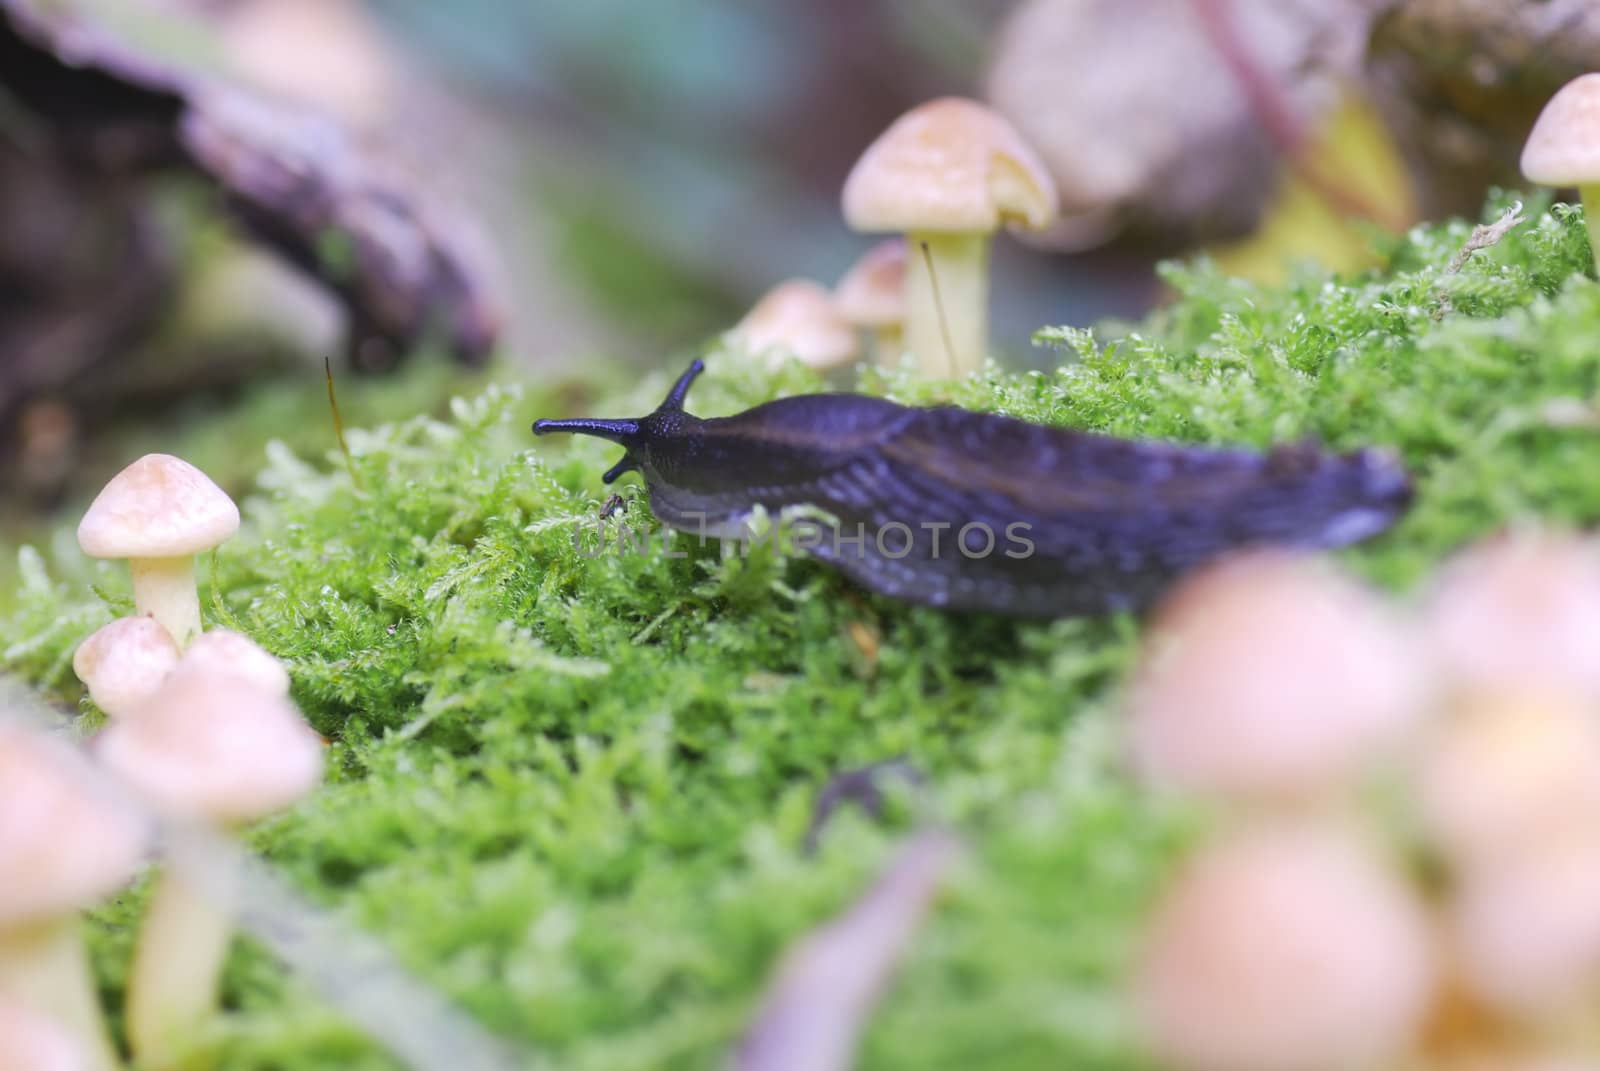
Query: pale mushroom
x=1526 y=925
x=158 y=513
x=224 y=652
x=1519 y=615
x=65 y=843
x=872 y=296
x=1272 y=677
x=211 y=750
x=123 y=663
x=1505 y=772
x=1291 y=947
x=1563 y=148
x=30 y=1041
x=947 y=175
x=797 y=318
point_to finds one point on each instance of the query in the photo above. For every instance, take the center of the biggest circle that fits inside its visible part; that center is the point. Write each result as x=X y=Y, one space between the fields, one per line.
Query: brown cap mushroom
x=124 y=662
x=158 y=513
x=872 y=295
x=1563 y=149
x=65 y=842
x=948 y=174
x=797 y=318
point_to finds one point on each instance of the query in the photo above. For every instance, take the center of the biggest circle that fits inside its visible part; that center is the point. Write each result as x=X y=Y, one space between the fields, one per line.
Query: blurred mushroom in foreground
x=1285 y=947
x=947 y=175
x=1272 y=677
x=65 y=842
x=211 y=750
x=1519 y=614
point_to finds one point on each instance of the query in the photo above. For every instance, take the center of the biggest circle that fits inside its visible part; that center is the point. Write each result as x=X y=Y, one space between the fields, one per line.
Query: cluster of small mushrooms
x=945 y=176
x=201 y=734
x=1404 y=864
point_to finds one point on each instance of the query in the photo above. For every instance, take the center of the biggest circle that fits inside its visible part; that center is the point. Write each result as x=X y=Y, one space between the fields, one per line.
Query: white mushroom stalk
x=947 y=175
x=872 y=295
x=207 y=749
x=64 y=843
x=158 y=513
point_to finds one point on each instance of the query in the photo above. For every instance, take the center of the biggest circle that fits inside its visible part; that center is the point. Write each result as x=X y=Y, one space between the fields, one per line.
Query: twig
x=828 y=983
x=1284 y=128
x=1485 y=235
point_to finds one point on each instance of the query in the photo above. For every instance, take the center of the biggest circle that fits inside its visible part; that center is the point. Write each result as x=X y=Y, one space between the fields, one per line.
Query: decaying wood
x=293 y=179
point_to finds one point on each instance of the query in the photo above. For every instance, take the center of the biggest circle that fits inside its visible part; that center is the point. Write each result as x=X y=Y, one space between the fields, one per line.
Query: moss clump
x=571 y=791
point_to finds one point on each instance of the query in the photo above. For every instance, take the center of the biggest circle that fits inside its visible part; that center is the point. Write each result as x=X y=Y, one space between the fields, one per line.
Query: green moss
x=572 y=791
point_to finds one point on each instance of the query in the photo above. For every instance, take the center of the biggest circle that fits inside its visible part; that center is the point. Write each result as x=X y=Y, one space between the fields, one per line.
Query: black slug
x=971 y=511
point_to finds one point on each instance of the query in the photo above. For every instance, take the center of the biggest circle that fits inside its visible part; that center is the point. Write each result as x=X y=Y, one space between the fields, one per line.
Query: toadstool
x=206 y=749
x=1563 y=149
x=947 y=175
x=158 y=513
x=872 y=295
x=1285 y=947
x=224 y=652
x=65 y=842
x=30 y=1041
x=125 y=662
x=1270 y=676
x=798 y=318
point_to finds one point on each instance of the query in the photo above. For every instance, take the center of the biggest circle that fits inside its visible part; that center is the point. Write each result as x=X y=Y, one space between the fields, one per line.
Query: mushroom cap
x=1507 y=772
x=209 y=747
x=798 y=317
x=1527 y=925
x=158 y=507
x=1269 y=677
x=949 y=165
x=30 y=1041
x=873 y=292
x=1563 y=149
x=225 y=652
x=65 y=841
x=125 y=662
x=1288 y=947
x=1519 y=614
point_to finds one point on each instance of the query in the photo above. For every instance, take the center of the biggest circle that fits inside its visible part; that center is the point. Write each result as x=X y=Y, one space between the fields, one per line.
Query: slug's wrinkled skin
x=1081 y=523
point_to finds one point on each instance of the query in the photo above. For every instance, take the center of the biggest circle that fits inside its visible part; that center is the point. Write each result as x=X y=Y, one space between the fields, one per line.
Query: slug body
x=972 y=511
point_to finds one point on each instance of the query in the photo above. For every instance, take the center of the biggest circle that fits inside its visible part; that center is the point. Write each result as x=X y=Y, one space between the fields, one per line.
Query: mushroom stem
x=45 y=967
x=953 y=274
x=1590 y=196
x=165 y=589
x=177 y=967
x=888 y=343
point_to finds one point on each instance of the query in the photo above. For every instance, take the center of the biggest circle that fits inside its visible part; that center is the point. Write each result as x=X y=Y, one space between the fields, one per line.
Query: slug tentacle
x=963 y=510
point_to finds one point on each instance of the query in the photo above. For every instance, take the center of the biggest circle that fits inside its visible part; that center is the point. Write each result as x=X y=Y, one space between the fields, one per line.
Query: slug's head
x=632 y=435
